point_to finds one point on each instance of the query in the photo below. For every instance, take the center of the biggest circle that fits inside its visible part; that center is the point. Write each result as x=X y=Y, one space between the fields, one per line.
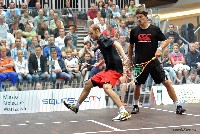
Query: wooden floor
x=150 y=120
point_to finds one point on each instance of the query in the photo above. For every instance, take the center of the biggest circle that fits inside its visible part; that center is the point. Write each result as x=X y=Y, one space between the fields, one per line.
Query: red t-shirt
x=112 y=33
x=92 y=14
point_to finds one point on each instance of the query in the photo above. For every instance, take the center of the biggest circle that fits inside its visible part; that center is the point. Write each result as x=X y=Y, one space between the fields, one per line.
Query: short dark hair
x=67 y=38
x=38 y=46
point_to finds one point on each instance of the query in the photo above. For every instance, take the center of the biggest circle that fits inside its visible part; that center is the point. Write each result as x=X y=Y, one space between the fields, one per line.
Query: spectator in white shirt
x=21 y=68
x=59 y=41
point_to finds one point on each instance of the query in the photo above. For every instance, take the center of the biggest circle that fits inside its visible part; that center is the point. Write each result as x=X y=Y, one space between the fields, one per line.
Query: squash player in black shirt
x=105 y=79
x=145 y=37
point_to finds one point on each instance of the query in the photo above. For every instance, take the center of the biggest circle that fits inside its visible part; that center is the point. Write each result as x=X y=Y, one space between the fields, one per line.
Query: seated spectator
x=172 y=33
x=58 y=70
x=59 y=41
x=105 y=11
x=3 y=43
x=130 y=23
x=37 y=65
x=34 y=43
x=35 y=11
x=184 y=47
x=3 y=5
x=166 y=62
x=68 y=45
x=55 y=32
x=197 y=46
x=19 y=47
x=28 y=33
x=123 y=15
x=86 y=49
x=7 y=69
x=116 y=35
x=11 y=18
x=193 y=58
x=25 y=17
x=72 y=66
x=193 y=78
x=112 y=21
x=18 y=34
x=47 y=49
x=40 y=18
x=2 y=23
x=124 y=44
x=67 y=14
x=50 y=16
x=109 y=32
x=73 y=35
x=132 y=7
x=110 y=2
x=21 y=68
x=85 y=65
x=171 y=43
x=178 y=62
x=23 y=7
x=91 y=14
x=99 y=63
x=123 y=30
x=44 y=42
x=98 y=18
x=102 y=24
x=126 y=8
x=115 y=12
x=55 y=21
x=12 y=6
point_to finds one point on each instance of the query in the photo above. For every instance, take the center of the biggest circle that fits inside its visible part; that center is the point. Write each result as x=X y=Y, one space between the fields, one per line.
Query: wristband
x=160 y=48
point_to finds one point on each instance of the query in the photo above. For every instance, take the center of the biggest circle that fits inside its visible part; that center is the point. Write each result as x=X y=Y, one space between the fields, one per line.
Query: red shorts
x=110 y=76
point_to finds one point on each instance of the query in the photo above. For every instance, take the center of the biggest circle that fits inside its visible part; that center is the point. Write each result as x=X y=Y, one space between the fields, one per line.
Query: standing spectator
x=37 y=65
x=172 y=33
x=7 y=69
x=21 y=68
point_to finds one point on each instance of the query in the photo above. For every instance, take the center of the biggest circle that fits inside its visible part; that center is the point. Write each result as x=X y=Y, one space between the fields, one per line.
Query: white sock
x=122 y=109
x=77 y=105
x=136 y=102
x=177 y=103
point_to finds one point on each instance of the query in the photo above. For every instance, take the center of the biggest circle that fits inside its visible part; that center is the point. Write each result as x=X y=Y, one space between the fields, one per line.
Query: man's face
x=171 y=28
x=18 y=43
x=19 y=54
x=171 y=39
x=12 y=5
x=93 y=34
x=192 y=47
x=141 y=19
x=38 y=51
x=54 y=54
x=24 y=6
x=87 y=57
x=52 y=41
x=3 y=52
x=61 y=32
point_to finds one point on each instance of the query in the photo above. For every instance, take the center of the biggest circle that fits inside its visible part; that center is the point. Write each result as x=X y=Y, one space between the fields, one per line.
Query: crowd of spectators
x=35 y=45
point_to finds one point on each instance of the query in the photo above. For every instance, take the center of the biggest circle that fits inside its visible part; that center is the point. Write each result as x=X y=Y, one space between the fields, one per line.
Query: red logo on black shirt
x=144 y=38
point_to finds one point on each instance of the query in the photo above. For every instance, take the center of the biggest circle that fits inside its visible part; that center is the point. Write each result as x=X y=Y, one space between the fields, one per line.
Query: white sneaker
x=122 y=116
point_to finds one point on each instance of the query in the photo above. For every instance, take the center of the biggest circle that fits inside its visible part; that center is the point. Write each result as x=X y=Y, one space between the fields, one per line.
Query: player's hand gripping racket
x=138 y=69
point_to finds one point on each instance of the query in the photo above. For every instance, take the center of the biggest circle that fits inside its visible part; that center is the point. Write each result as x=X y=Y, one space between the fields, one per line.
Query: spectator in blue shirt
x=48 y=48
x=12 y=6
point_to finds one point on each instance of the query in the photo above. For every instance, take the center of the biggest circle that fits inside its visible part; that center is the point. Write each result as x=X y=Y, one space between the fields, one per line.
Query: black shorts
x=156 y=71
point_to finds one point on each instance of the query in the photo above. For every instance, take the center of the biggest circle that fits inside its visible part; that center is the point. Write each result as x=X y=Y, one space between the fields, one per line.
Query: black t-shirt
x=110 y=54
x=146 y=42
